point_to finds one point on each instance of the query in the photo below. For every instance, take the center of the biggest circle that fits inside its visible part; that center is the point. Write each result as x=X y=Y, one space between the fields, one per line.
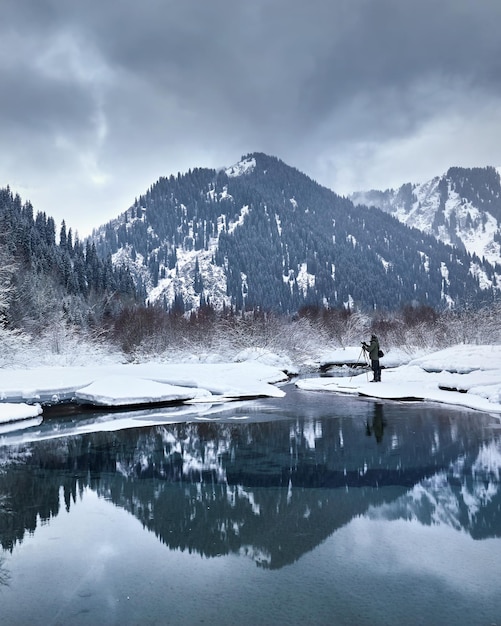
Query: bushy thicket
x=138 y=333
x=142 y=333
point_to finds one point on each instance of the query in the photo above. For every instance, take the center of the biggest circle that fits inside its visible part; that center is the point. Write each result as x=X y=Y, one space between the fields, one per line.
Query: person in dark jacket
x=372 y=349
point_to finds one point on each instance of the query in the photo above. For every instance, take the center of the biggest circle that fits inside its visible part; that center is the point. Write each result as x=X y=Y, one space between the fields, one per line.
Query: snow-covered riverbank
x=465 y=375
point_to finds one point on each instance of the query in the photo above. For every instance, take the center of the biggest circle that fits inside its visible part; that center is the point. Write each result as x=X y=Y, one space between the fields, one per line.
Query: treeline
x=47 y=275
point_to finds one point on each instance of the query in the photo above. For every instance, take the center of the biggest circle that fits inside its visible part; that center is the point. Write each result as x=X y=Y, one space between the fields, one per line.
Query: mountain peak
x=244 y=166
x=261 y=235
x=461 y=207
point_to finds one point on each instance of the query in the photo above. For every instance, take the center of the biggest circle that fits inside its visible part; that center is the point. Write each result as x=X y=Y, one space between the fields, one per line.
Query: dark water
x=313 y=509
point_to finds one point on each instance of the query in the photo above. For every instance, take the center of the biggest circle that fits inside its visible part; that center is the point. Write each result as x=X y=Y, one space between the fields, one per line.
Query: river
x=311 y=509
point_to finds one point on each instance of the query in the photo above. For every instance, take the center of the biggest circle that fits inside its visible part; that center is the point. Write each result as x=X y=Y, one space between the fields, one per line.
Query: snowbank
x=121 y=385
x=464 y=375
x=11 y=412
x=127 y=391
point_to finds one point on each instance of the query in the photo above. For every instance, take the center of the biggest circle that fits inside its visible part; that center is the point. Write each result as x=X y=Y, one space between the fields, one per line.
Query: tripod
x=366 y=361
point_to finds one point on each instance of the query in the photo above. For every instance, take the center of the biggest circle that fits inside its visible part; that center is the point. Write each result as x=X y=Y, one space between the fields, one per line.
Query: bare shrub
x=143 y=332
x=419 y=315
x=480 y=326
x=13 y=346
x=135 y=325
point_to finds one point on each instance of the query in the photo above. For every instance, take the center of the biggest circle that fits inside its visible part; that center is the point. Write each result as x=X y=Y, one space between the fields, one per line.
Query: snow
x=242 y=167
x=266 y=357
x=477 y=229
x=11 y=411
x=23 y=390
x=463 y=375
x=180 y=279
x=125 y=390
x=240 y=220
x=304 y=279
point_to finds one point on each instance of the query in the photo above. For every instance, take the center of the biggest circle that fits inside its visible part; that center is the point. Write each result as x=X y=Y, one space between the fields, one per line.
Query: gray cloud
x=100 y=98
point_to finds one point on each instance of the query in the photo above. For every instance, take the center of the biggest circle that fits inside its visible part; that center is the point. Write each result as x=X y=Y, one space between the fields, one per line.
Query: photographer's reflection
x=378 y=423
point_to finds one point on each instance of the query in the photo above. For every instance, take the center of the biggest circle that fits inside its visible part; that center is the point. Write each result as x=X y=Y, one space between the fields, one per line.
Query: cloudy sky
x=99 y=98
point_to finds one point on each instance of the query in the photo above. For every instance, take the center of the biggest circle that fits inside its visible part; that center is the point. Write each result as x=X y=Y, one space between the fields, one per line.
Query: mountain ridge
x=461 y=207
x=262 y=235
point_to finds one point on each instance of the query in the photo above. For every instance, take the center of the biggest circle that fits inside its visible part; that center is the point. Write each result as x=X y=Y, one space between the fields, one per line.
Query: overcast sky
x=99 y=98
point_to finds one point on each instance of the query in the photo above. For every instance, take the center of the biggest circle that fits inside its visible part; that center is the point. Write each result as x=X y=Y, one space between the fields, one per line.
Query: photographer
x=373 y=350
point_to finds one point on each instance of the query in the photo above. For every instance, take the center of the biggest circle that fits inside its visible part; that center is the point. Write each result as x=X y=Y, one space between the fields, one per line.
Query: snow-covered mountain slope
x=464 y=497
x=178 y=282
x=462 y=208
x=260 y=235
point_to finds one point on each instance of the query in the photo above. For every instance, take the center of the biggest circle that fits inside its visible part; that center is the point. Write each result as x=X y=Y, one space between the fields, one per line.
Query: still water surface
x=312 y=509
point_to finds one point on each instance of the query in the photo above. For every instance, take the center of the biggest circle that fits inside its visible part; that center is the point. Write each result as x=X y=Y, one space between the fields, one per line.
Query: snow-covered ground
x=22 y=391
x=465 y=375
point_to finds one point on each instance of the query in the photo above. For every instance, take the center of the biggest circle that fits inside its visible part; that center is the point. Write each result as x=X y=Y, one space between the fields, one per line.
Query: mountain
x=461 y=207
x=262 y=235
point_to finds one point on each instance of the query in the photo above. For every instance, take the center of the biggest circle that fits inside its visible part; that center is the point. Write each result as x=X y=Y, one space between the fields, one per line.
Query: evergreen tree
x=284 y=242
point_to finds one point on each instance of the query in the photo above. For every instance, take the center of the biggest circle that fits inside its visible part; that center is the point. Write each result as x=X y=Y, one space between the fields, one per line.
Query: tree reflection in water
x=4 y=574
x=272 y=490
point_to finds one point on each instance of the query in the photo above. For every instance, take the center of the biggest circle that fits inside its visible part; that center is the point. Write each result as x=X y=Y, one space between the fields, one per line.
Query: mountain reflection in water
x=272 y=486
